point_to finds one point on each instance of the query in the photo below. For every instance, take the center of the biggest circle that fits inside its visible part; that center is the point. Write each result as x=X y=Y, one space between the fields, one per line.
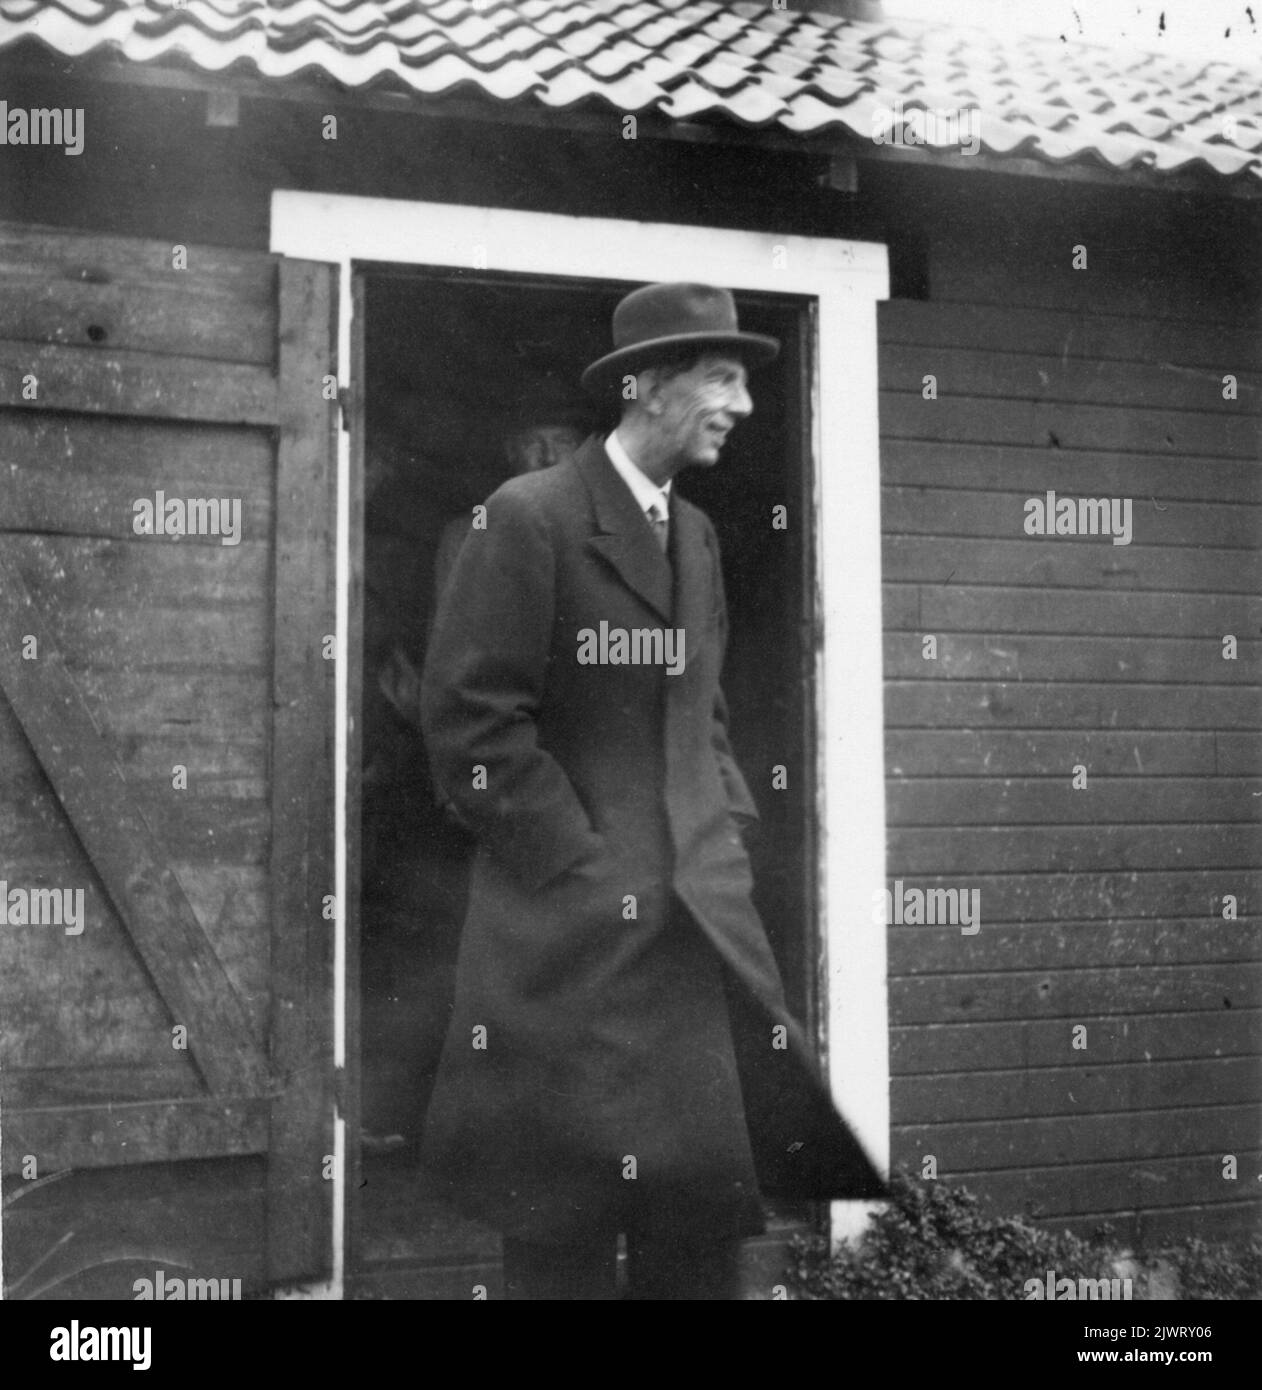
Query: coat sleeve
x=740 y=801
x=481 y=690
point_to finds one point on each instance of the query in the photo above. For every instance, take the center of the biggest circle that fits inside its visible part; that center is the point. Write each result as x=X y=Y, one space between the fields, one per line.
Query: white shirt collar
x=643 y=488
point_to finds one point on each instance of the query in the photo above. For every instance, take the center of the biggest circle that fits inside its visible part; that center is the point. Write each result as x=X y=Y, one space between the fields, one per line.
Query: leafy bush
x=934 y=1242
x=1218 y=1272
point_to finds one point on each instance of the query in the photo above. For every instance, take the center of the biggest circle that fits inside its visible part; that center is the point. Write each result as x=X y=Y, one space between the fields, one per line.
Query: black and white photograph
x=631 y=659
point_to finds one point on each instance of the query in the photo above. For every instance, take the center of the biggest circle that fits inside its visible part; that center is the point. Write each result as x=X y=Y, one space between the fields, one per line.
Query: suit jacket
x=601 y=794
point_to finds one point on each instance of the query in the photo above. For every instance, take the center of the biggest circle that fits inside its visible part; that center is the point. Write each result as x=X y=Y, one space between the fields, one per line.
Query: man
x=620 y=1057
x=545 y=426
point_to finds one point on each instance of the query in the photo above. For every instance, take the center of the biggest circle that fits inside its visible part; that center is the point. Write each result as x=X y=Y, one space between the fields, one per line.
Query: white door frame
x=846 y=279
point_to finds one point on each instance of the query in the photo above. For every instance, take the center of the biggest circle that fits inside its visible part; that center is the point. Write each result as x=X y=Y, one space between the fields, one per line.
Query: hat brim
x=608 y=371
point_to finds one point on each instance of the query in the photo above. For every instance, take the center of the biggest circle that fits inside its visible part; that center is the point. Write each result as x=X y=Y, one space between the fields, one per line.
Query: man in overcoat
x=620 y=1057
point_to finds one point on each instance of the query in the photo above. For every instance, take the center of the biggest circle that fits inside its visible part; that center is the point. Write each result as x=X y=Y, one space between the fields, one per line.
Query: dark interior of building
x=450 y=357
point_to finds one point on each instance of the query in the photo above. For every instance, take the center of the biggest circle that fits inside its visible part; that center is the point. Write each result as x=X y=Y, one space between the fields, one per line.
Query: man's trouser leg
x=560 y=1272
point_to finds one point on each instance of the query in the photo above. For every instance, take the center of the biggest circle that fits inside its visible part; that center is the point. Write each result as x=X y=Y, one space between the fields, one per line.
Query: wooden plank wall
x=1101 y=906
x=168 y=640
x=146 y=381
x=167 y=750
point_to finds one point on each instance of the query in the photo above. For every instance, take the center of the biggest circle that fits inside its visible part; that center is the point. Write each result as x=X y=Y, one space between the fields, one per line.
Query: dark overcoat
x=620 y=1049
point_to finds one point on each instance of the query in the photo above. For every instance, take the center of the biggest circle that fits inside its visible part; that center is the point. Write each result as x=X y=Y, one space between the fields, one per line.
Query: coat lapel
x=624 y=538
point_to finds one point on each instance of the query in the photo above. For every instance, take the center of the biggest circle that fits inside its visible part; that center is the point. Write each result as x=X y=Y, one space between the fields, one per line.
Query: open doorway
x=448 y=358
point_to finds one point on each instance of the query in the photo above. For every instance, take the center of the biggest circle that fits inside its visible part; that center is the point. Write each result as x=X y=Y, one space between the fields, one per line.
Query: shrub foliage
x=933 y=1241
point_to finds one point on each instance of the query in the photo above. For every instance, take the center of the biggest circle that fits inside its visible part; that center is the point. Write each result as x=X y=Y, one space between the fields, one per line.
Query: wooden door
x=166 y=716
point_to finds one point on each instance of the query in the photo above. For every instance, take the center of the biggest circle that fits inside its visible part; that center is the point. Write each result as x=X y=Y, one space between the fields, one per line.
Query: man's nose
x=740 y=403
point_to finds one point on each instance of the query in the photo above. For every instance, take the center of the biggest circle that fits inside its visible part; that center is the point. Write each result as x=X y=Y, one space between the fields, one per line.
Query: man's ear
x=648 y=390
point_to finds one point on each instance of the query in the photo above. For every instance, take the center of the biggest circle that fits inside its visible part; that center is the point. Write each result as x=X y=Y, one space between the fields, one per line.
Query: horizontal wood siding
x=1099 y=907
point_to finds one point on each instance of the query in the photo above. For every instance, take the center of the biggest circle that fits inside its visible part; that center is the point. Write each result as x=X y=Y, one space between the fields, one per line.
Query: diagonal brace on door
x=107 y=817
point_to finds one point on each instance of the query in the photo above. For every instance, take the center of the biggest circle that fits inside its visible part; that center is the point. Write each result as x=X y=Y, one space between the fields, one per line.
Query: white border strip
x=847 y=279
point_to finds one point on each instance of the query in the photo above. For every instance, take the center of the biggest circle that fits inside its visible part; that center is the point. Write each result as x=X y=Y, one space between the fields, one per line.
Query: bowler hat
x=656 y=320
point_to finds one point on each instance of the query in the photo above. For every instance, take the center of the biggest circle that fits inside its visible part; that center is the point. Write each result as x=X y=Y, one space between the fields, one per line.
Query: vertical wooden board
x=299 y=1197
x=352 y=1099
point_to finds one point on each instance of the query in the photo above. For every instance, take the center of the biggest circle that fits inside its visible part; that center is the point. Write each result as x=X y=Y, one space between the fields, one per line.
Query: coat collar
x=626 y=542
x=624 y=537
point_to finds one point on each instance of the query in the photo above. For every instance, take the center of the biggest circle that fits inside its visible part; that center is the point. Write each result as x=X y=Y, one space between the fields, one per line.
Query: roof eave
x=598 y=117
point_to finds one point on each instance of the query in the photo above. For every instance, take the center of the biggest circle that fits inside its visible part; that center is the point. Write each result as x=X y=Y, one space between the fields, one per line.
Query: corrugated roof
x=700 y=60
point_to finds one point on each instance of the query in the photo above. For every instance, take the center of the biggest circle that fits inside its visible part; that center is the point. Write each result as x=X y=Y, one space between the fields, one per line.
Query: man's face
x=541 y=446
x=701 y=406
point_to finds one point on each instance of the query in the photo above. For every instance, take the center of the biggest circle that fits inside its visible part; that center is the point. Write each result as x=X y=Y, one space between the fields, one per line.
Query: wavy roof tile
x=701 y=60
